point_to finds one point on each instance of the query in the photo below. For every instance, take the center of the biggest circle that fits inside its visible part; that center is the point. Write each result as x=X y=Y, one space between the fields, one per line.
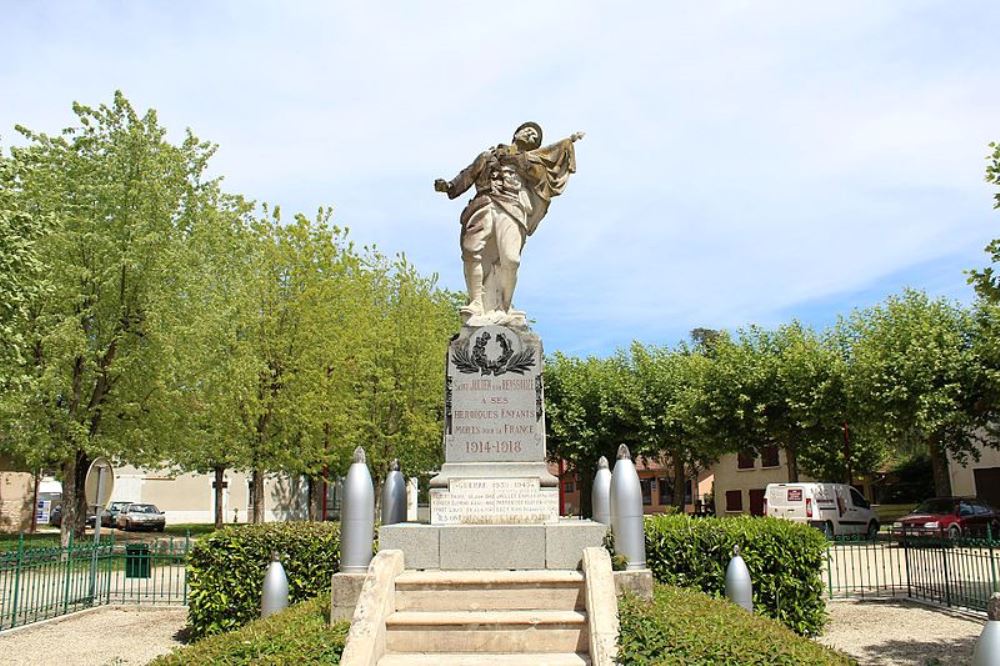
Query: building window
x=666 y=492
x=744 y=460
x=734 y=500
x=769 y=456
x=569 y=487
x=688 y=492
x=647 y=491
x=757 y=501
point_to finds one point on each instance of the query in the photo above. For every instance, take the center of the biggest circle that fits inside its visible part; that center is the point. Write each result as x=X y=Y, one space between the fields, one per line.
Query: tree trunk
x=792 y=456
x=257 y=495
x=939 y=467
x=74 y=499
x=316 y=491
x=679 y=482
x=220 y=477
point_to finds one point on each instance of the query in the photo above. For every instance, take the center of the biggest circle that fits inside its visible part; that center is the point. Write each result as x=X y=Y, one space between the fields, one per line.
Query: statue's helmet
x=538 y=133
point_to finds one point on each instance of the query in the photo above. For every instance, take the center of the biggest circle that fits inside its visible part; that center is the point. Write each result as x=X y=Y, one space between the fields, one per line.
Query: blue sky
x=745 y=162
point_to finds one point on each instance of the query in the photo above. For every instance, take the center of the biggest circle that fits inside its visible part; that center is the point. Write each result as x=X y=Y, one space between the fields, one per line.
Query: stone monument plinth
x=494 y=432
x=494 y=504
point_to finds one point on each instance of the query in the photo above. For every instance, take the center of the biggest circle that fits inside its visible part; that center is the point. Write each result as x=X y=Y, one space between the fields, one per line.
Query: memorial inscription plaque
x=493 y=502
x=493 y=410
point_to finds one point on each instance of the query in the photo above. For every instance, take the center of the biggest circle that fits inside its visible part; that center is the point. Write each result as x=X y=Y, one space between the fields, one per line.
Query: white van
x=835 y=508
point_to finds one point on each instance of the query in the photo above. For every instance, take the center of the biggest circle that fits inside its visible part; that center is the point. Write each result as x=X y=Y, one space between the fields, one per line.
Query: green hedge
x=226 y=570
x=785 y=560
x=687 y=627
x=298 y=635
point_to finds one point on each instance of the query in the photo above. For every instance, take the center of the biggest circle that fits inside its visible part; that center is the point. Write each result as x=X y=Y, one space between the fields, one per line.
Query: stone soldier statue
x=514 y=186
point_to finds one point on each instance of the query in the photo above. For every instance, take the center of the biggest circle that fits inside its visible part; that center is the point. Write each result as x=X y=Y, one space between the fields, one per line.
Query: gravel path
x=901 y=633
x=109 y=636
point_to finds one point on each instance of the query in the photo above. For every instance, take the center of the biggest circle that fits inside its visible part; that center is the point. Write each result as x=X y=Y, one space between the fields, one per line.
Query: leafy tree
x=395 y=396
x=986 y=283
x=589 y=413
x=208 y=306
x=22 y=282
x=670 y=398
x=788 y=388
x=116 y=191
x=923 y=383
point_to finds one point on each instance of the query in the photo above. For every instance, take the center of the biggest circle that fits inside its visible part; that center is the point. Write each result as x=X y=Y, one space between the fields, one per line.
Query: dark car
x=109 y=517
x=55 y=517
x=950 y=517
x=141 y=517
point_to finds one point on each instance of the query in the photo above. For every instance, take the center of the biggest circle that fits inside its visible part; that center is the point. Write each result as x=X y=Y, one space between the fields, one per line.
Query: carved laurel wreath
x=479 y=362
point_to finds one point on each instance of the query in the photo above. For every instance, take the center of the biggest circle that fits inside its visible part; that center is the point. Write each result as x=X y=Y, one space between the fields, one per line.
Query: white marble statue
x=514 y=186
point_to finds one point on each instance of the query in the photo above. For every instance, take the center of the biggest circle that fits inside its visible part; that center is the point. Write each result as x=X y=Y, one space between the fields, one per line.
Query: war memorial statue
x=493 y=503
x=514 y=186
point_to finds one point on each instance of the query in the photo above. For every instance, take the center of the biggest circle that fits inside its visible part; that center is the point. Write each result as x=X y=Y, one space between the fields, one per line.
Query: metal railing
x=42 y=582
x=960 y=572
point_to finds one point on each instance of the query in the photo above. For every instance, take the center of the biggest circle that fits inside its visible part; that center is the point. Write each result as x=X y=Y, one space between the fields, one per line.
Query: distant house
x=742 y=478
x=17 y=496
x=655 y=481
x=190 y=498
x=977 y=478
x=186 y=498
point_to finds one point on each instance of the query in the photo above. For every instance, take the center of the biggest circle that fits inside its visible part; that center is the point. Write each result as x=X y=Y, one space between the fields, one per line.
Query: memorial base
x=344 y=592
x=493 y=547
x=638 y=582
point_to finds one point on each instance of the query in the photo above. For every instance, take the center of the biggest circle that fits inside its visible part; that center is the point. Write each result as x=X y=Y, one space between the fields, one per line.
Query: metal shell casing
x=600 y=494
x=988 y=646
x=626 y=511
x=394 y=496
x=274 y=595
x=739 y=587
x=357 y=523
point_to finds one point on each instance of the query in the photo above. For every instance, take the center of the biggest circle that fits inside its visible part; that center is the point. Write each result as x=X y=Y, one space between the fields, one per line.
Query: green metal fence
x=37 y=583
x=960 y=572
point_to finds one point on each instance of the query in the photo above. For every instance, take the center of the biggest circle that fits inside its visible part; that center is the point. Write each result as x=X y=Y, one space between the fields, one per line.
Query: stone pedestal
x=493 y=547
x=637 y=581
x=494 y=432
x=344 y=592
x=494 y=504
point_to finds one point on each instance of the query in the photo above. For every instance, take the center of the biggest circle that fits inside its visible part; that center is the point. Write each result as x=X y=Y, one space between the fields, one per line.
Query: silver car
x=141 y=517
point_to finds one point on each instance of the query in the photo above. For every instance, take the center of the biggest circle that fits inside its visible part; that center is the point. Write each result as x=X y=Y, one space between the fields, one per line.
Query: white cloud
x=743 y=160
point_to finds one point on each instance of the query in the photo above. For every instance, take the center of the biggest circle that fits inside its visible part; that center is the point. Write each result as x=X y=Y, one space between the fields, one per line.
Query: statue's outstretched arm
x=464 y=179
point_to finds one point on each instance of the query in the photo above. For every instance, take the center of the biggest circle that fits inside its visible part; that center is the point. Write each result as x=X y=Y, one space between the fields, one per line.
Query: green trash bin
x=137 y=560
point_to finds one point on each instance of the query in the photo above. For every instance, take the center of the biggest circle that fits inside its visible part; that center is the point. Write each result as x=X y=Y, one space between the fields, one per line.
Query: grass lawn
x=48 y=539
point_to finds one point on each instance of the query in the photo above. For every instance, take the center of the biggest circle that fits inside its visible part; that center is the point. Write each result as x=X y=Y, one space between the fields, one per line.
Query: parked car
x=951 y=517
x=55 y=517
x=109 y=517
x=136 y=516
x=835 y=508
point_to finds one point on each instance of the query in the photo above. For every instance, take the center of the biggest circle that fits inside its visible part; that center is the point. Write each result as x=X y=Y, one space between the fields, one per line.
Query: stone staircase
x=466 y=618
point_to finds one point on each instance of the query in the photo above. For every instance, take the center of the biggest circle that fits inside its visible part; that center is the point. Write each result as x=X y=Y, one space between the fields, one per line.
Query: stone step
x=506 y=631
x=489 y=590
x=485 y=659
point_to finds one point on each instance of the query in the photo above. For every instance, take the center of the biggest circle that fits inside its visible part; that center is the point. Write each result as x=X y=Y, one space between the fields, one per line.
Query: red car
x=951 y=517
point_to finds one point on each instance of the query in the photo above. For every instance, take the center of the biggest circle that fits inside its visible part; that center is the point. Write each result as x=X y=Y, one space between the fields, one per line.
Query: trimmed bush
x=226 y=570
x=687 y=627
x=298 y=635
x=785 y=560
